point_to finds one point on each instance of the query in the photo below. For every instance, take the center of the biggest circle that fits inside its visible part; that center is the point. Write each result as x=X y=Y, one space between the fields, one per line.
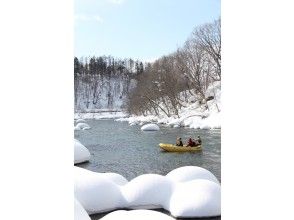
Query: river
x=126 y=150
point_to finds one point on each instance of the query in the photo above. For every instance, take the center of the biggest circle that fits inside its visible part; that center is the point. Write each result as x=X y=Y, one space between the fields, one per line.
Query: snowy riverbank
x=192 y=115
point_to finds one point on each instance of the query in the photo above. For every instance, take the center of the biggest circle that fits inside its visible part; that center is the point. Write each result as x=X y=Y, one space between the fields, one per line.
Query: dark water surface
x=126 y=150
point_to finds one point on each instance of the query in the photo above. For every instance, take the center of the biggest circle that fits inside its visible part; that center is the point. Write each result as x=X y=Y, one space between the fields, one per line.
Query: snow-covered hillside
x=193 y=114
x=96 y=92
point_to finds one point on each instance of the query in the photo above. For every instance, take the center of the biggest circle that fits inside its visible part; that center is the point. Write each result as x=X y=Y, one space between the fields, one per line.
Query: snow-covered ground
x=187 y=192
x=100 y=115
x=193 y=115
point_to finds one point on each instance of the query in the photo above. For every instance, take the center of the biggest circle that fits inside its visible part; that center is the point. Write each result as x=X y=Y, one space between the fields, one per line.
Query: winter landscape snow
x=175 y=95
x=185 y=192
x=192 y=114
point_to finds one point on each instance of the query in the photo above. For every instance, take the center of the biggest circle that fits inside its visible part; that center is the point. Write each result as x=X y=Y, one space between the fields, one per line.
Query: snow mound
x=82 y=126
x=81 y=153
x=148 y=191
x=196 y=198
x=97 y=193
x=185 y=192
x=136 y=215
x=188 y=173
x=80 y=213
x=80 y=120
x=150 y=127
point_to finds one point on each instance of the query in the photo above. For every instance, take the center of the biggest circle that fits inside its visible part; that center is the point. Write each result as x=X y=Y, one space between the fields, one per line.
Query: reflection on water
x=120 y=148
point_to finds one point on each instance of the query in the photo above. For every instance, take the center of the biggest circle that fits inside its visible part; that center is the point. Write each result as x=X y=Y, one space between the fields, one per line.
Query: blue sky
x=139 y=29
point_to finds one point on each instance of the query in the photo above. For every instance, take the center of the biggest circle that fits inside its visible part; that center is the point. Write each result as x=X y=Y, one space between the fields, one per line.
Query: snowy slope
x=193 y=115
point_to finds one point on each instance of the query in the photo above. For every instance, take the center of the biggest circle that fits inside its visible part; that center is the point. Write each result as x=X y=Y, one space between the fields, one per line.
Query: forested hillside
x=161 y=87
x=104 y=82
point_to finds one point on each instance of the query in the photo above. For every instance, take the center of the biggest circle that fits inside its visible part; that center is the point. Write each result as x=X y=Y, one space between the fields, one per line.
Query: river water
x=126 y=150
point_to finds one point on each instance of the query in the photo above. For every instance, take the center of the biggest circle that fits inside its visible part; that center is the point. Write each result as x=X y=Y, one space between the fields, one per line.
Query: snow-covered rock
x=148 y=191
x=150 y=127
x=137 y=215
x=79 y=212
x=196 y=198
x=188 y=173
x=82 y=126
x=81 y=153
x=185 y=192
x=80 y=120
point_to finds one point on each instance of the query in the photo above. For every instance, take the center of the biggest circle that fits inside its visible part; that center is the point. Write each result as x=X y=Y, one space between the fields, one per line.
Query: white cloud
x=118 y=2
x=83 y=17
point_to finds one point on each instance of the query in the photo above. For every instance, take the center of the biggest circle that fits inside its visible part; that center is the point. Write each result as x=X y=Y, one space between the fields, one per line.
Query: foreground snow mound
x=81 y=153
x=150 y=127
x=136 y=215
x=97 y=193
x=185 y=192
x=148 y=191
x=82 y=126
x=188 y=173
x=80 y=212
x=201 y=198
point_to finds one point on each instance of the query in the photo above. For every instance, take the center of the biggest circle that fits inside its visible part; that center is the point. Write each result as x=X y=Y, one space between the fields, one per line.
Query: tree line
x=152 y=88
x=168 y=81
x=100 y=82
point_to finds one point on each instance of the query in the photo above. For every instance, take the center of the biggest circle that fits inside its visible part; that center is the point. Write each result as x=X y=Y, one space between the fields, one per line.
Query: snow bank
x=137 y=215
x=193 y=114
x=81 y=153
x=82 y=126
x=134 y=120
x=80 y=213
x=100 y=115
x=150 y=127
x=185 y=192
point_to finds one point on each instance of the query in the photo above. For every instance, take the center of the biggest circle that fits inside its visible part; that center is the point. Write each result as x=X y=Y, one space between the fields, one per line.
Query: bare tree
x=208 y=37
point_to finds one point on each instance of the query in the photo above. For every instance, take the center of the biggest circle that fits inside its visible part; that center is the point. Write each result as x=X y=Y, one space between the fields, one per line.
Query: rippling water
x=120 y=148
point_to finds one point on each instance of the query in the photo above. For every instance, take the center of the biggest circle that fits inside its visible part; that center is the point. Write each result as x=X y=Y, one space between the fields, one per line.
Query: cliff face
x=96 y=92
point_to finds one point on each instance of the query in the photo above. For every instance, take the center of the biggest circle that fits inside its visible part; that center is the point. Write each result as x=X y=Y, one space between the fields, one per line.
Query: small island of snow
x=150 y=127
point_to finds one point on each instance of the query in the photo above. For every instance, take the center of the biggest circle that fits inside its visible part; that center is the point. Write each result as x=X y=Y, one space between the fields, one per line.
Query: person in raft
x=198 y=141
x=179 y=142
x=191 y=143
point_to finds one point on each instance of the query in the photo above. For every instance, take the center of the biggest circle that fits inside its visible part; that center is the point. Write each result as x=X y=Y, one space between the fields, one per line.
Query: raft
x=174 y=148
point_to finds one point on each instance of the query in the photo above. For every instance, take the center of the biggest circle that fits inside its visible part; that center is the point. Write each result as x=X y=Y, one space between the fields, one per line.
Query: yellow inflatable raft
x=174 y=148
